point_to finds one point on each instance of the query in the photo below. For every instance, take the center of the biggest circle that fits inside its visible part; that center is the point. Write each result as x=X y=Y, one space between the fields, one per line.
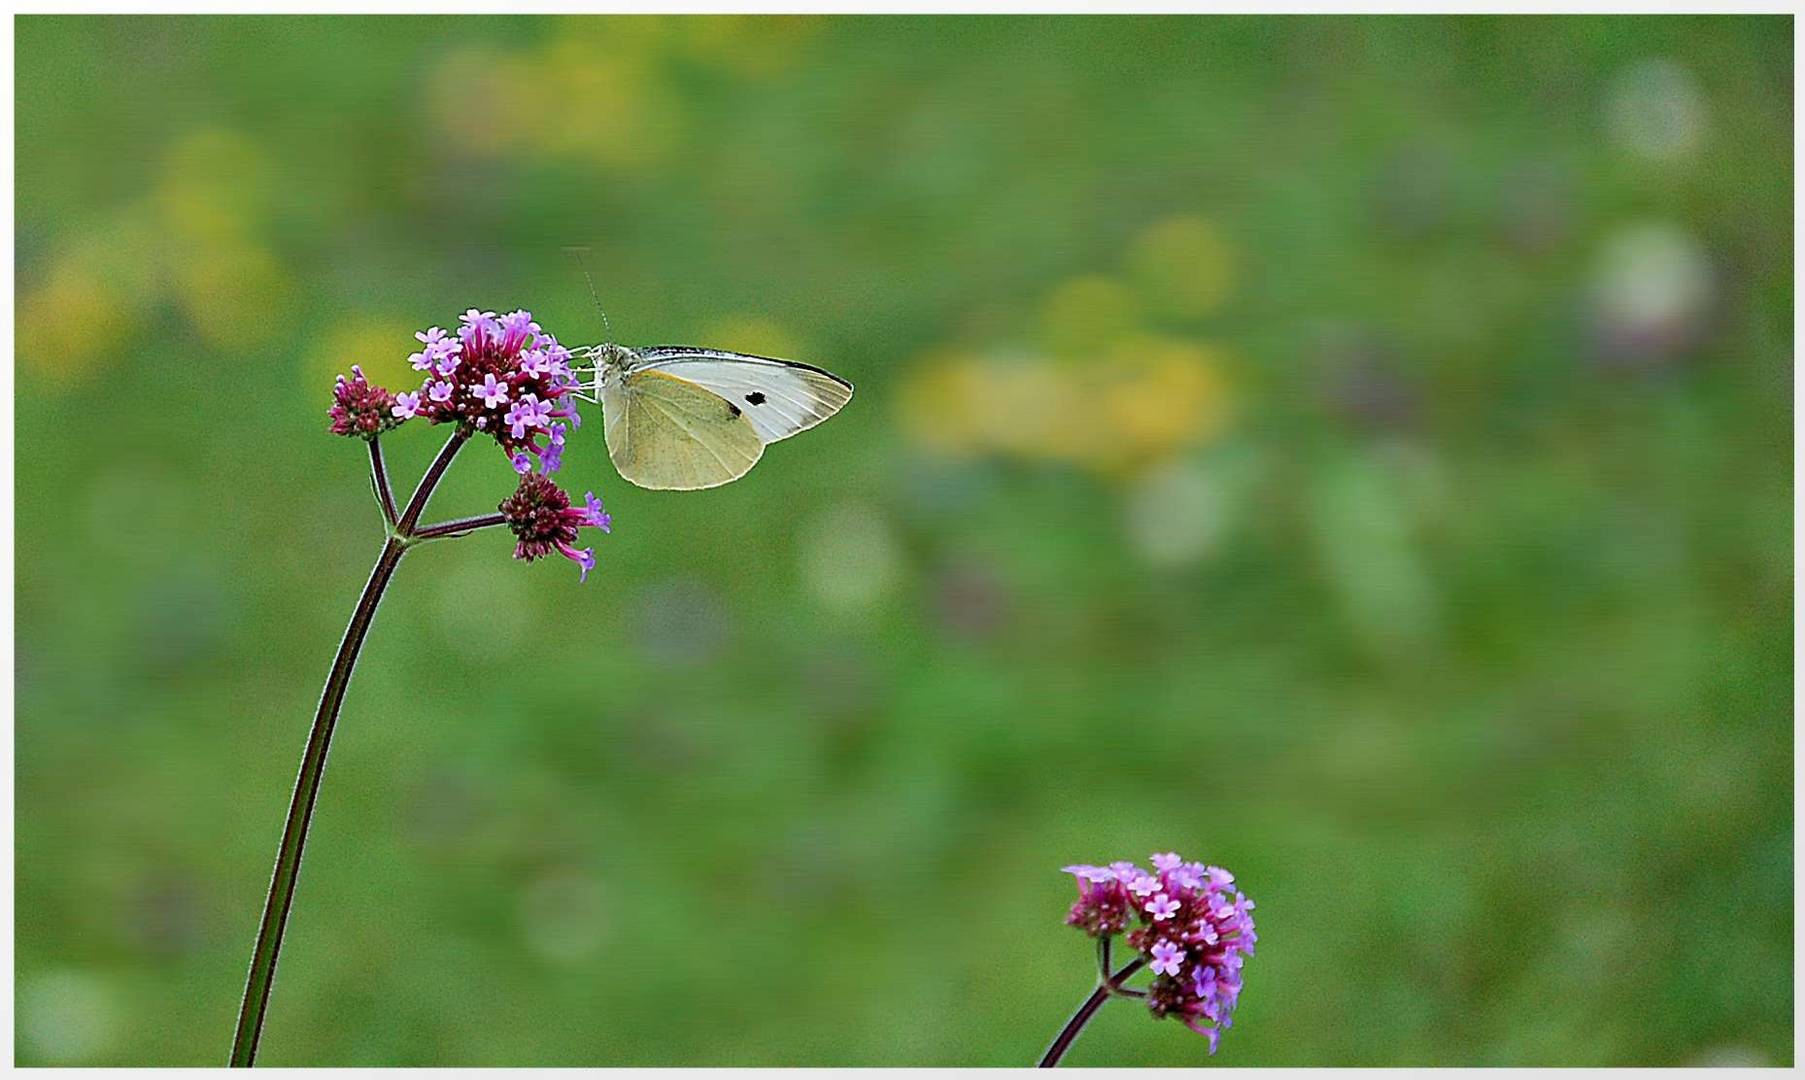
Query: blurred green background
x=1355 y=451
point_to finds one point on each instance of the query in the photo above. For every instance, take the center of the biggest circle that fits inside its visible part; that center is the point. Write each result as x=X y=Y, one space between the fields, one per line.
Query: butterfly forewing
x=778 y=397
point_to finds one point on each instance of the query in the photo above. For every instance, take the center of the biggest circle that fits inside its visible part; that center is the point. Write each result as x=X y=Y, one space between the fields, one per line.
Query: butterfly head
x=604 y=363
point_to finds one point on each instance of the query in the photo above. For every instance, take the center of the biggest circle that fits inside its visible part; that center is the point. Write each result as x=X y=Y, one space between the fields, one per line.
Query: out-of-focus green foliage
x=1352 y=451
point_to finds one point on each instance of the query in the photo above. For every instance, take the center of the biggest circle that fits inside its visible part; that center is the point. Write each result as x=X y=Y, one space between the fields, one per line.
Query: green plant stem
x=459 y=527
x=319 y=739
x=1113 y=981
x=379 y=479
x=417 y=504
x=1107 y=985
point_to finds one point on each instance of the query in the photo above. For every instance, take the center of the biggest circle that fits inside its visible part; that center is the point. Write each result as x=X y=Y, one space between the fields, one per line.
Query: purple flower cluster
x=543 y=521
x=360 y=407
x=503 y=375
x=1191 y=925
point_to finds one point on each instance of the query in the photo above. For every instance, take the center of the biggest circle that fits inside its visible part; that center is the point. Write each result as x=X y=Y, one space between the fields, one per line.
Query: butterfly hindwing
x=778 y=397
x=668 y=433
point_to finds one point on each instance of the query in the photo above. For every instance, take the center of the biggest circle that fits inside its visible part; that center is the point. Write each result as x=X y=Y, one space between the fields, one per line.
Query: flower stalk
x=319 y=740
x=523 y=369
x=445 y=530
x=300 y=810
x=379 y=479
x=1107 y=986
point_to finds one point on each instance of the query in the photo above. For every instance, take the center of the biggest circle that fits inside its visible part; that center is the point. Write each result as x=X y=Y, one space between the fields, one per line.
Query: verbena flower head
x=360 y=407
x=540 y=514
x=1187 y=920
x=506 y=377
x=503 y=376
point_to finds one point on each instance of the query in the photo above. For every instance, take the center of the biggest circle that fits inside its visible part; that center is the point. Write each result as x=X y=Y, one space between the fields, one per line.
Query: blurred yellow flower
x=209 y=204
x=1026 y=408
x=940 y=403
x=234 y=294
x=753 y=46
x=1182 y=267
x=607 y=107
x=1137 y=404
x=214 y=188
x=381 y=345
x=578 y=97
x=638 y=37
x=1156 y=395
x=69 y=323
x=753 y=334
x=1108 y=394
x=101 y=281
x=1085 y=314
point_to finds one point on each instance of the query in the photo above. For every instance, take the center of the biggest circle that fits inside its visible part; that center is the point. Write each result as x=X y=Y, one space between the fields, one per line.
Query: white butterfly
x=679 y=418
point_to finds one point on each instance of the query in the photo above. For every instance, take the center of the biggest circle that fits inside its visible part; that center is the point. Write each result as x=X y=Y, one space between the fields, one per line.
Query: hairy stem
x=313 y=758
x=417 y=505
x=300 y=809
x=458 y=527
x=1105 y=987
x=379 y=479
x=1113 y=982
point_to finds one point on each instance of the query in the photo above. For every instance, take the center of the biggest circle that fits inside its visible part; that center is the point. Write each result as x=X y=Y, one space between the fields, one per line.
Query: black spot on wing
x=756 y=397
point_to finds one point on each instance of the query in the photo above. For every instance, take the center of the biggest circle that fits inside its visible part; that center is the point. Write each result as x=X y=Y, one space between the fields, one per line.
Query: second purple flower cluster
x=1188 y=922
x=543 y=521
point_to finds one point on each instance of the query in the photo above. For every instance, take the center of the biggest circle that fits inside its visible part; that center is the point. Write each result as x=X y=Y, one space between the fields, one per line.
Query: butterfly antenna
x=577 y=254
